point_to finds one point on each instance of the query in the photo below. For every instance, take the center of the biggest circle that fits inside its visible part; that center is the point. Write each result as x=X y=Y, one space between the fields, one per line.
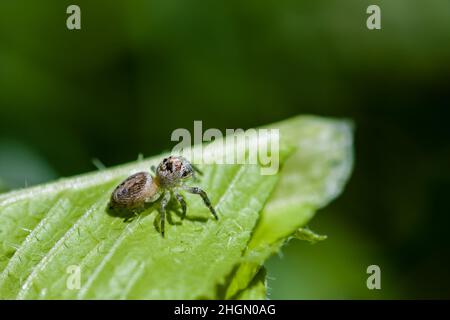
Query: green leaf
x=308 y=235
x=45 y=230
x=257 y=289
x=313 y=176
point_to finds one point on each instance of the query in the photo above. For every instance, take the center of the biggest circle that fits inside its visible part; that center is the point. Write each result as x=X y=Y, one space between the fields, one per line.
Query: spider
x=169 y=177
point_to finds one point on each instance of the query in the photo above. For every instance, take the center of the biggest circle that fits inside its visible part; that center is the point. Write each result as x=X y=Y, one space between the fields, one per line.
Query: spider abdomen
x=134 y=191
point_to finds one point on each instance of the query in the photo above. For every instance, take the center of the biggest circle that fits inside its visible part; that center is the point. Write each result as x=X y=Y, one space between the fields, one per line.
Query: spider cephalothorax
x=172 y=171
x=141 y=188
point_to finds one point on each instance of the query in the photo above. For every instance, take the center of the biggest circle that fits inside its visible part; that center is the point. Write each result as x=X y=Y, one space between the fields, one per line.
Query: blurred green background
x=139 y=69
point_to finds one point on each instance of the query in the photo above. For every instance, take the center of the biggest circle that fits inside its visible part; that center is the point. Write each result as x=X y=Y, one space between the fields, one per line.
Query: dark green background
x=139 y=69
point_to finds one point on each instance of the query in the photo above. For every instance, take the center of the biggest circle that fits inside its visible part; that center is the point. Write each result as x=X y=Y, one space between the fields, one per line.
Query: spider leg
x=201 y=193
x=196 y=170
x=182 y=202
x=132 y=217
x=164 y=201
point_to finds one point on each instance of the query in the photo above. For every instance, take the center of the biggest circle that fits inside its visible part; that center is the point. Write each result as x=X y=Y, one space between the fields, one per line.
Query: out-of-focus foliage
x=20 y=166
x=139 y=69
x=330 y=269
x=2 y=186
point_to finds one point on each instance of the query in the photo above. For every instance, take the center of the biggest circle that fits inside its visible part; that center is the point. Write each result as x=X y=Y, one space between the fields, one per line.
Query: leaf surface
x=47 y=230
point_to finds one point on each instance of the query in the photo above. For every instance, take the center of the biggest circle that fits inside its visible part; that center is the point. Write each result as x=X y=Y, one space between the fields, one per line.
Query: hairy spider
x=142 y=188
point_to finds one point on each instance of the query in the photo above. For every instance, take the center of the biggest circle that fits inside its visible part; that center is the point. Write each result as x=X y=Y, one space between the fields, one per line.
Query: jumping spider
x=142 y=188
